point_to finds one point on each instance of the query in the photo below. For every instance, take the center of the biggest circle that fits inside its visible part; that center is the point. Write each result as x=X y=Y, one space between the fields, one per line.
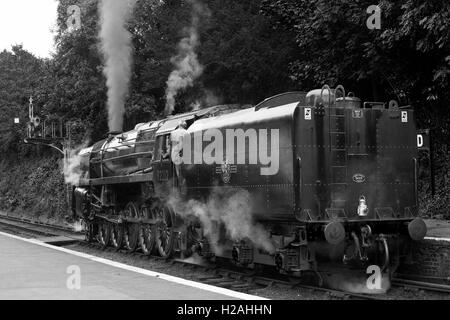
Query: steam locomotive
x=325 y=178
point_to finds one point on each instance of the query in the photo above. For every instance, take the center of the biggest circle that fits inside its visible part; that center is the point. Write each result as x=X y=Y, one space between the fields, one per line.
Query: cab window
x=163 y=148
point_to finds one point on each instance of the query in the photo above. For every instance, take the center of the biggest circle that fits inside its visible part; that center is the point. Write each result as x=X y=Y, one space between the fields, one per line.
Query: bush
x=33 y=187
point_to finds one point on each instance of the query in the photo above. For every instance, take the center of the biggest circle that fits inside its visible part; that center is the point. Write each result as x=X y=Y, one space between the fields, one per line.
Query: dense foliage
x=20 y=76
x=34 y=187
x=407 y=59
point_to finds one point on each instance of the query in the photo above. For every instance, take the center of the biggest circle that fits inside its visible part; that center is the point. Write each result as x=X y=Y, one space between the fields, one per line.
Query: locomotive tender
x=331 y=180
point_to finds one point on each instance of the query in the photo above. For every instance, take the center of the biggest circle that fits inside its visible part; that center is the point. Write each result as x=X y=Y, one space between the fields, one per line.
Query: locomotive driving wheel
x=116 y=235
x=103 y=234
x=131 y=229
x=147 y=232
x=165 y=234
x=89 y=231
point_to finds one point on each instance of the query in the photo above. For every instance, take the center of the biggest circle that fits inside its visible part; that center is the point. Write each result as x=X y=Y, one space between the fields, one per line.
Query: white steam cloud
x=208 y=99
x=72 y=165
x=231 y=208
x=356 y=283
x=117 y=51
x=187 y=66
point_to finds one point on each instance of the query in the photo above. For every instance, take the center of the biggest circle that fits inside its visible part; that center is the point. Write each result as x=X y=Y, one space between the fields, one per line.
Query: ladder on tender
x=338 y=158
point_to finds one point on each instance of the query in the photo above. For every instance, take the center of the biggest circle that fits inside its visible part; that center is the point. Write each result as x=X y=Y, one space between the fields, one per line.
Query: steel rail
x=36 y=224
x=421 y=285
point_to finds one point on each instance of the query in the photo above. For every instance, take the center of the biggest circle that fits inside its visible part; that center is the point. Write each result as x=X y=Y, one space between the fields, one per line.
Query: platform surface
x=438 y=229
x=29 y=270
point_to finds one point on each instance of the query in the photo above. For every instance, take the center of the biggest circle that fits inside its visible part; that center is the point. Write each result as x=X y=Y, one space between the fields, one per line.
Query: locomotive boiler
x=325 y=178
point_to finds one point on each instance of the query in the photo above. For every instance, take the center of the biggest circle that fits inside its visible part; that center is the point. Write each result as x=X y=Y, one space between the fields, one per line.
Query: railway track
x=419 y=285
x=241 y=281
x=33 y=228
x=33 y=224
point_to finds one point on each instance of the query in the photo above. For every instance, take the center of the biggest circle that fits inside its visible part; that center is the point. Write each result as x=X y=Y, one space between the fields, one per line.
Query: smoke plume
x=208 y=99
x=117 y=51
x=231 y=208
x=72 y=165
x=187 y=66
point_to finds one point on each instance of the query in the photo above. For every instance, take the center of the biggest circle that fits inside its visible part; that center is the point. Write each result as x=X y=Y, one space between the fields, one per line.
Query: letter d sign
x=419 y=141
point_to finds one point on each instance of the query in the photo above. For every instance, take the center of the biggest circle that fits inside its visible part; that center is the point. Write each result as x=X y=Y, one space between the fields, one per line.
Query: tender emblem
x=225 y=170
x=359 y=178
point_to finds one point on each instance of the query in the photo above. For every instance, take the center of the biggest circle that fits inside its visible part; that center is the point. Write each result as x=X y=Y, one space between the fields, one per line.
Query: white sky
x=30 y=23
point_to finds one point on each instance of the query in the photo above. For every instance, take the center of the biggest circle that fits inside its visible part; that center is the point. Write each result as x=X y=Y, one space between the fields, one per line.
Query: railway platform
x=31 y=269
x=438 y=229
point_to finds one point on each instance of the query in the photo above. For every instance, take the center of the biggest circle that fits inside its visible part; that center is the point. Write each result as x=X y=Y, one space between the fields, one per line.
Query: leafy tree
x=75 y=89
x=408 y=58
x=21 y=73
x=245 y=60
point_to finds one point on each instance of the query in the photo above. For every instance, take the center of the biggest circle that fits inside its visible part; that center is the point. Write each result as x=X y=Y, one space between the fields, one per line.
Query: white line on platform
x=202 y=286
x=437 y=239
